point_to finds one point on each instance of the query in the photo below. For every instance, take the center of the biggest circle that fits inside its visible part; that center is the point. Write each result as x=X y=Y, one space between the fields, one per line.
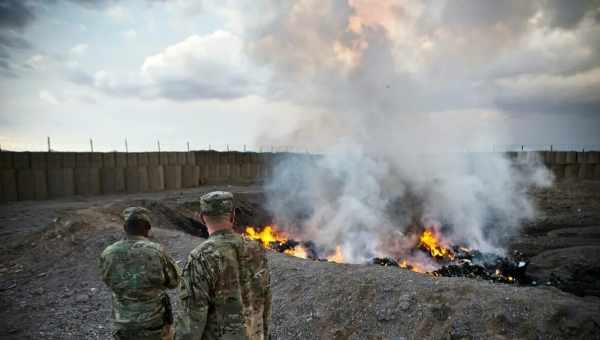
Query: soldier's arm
x=103 y=267
x=171 y=271
x=195 y=293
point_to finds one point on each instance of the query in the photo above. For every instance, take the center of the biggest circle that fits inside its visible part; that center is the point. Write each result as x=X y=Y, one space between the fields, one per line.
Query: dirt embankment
x=50 y=288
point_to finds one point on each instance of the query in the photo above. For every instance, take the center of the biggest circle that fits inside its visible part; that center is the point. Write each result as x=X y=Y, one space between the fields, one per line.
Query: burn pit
x=442 y=259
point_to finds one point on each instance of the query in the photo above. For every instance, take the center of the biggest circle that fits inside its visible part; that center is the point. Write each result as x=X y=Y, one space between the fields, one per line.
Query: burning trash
x=276 y=240
x=432 y=255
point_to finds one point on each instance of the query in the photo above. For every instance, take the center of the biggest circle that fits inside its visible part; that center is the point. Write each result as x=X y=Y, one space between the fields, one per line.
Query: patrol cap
x=216 y=203
x=136 y=213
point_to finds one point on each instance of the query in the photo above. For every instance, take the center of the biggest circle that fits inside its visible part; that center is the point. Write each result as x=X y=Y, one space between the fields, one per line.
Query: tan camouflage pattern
x=138 y=272
x=216 y=203
x=136 y=213
x=164 y=333
x=225 y=292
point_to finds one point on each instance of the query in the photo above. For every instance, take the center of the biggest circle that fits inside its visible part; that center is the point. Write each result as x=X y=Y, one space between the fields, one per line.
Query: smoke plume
x=400 y=121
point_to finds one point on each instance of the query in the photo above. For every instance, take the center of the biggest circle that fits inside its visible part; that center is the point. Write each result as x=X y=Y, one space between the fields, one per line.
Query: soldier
x=225 y=292
x=138 y=272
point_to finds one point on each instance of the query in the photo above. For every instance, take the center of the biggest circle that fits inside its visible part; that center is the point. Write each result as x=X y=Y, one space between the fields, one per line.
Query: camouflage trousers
x=164 y=333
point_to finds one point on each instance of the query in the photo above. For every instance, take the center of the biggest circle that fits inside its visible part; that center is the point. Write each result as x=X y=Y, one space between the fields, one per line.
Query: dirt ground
x=50 y=288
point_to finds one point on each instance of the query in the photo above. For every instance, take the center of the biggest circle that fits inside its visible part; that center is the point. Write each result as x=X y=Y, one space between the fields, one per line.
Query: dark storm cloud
x=13 y=41
x=104 y=3
x=478 y=13
x=567 y=14
x=15 y=14
x=9 y=42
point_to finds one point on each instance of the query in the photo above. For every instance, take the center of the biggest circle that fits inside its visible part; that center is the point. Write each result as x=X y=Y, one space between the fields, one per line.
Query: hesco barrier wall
x=47 y=175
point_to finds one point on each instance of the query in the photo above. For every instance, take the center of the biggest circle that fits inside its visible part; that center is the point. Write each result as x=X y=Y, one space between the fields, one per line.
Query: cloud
x=200 y=67
x=78 y=50
x=15 y=14
x=551 y=93
x=48 y=97
x=9 y=42
x=568 y=14
x=129 y=34
x=118 y=13
x=212 y=66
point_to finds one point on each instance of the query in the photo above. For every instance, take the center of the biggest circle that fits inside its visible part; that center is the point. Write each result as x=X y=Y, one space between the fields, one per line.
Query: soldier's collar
x=135 y=237
x=221 y=232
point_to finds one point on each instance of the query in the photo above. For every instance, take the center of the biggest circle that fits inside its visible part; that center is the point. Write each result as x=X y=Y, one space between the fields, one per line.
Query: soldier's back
x=133 y=269
x=240 y=286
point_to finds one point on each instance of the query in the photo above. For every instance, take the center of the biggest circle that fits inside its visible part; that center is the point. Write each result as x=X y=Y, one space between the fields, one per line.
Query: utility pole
x=91 y=145
x=158 y=144
x=49 y=146
x=188 y=146
x=126 y=146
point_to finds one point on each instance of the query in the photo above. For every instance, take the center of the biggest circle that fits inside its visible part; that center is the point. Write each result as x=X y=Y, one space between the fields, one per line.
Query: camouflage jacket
x=225 y=292
x=138 y=272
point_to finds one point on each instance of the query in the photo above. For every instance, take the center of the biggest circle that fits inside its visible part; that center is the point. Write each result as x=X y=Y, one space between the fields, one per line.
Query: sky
x=308 y=73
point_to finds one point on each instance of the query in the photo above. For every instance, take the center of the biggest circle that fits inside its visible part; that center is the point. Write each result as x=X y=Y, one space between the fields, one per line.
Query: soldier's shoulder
x=148 y=246
x=114 y=248
x=206 y=248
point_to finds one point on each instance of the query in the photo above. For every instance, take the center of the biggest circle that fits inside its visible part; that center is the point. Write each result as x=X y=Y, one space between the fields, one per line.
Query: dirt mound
x=315 y=300
x=575 y=270
x=165 y=216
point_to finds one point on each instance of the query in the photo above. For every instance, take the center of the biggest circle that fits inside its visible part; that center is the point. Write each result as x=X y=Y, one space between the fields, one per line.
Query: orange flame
x=430 y=241
x=297 y=251
x=265 y=236
x=338 y=257
x=269 y=235
x=412 y=266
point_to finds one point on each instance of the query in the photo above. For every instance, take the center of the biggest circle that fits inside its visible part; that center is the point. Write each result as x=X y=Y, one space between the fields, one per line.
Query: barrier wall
x=44 y=175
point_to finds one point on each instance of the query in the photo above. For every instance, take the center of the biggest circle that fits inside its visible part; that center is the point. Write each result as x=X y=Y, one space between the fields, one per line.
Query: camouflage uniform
x=225 y=292
x=138 y=272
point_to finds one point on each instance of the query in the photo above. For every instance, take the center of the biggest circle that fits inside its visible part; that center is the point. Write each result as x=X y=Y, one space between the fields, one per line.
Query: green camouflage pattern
x=225 y=292
x=138 y=272
x=216 y=203
x=136 y=213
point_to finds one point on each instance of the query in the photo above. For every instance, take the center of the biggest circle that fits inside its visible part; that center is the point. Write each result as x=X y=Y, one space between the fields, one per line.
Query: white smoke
x=401 y=121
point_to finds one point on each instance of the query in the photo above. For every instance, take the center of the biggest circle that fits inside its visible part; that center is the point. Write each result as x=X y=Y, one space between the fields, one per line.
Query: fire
x=412 y=266
x=265 y=236
x=430 y=241
x=297 y=251
x=338 y=257
x=269 y=237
